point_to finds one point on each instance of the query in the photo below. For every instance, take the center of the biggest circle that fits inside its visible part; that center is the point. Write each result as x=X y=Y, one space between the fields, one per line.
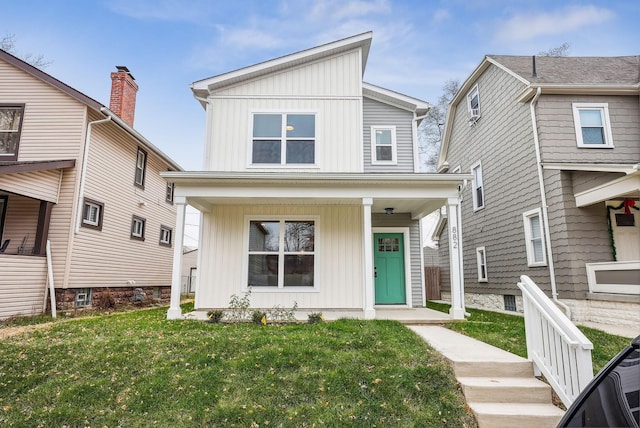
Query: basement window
x=83 y=297
x=510 y=303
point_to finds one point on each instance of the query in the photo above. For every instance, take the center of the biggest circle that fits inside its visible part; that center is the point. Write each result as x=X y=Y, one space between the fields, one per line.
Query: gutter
x=83 y=172
x=545 y=211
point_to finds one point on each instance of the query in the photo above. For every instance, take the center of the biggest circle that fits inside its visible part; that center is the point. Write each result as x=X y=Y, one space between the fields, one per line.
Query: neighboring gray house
x=553 y=144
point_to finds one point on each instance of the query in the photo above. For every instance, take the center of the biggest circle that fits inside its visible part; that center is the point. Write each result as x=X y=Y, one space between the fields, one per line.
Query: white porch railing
x=557 y=348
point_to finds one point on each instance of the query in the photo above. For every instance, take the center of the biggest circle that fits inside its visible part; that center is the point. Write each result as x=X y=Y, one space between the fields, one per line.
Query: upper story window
x=593 y=129
x=534 y=238
x=169 y=192
x=92 y=214
x=383 y=145
x=165 y=235
x=137 y=228
x=141 y=168
x=10 y=128
x=478 y=186
x=482 y=264
x=473 y=105
x=283 y=139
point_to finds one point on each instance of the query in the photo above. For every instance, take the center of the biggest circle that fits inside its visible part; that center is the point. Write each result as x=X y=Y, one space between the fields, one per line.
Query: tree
x=8 y=44
x=431 y=129
x=562 y=50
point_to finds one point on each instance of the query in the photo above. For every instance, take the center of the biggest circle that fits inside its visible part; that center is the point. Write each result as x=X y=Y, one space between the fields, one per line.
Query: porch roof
x=418 y=194
x=21 y=166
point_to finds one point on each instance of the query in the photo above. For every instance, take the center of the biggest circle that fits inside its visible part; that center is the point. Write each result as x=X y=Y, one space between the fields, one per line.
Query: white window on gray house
x=473 y=105
x=283 y=139
x=383 y=145
x=137 y=228
x=92 y=214
x=481 y=259
x=534 y=238
x=281 y=253
x=593 y=128
x=10 y=128
x=83 y=297
x=141 y=168
x=477 y=186
x=165 y=235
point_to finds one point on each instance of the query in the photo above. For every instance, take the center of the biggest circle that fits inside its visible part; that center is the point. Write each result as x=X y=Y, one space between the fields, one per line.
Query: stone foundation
x=489 y=302
x=105 y=297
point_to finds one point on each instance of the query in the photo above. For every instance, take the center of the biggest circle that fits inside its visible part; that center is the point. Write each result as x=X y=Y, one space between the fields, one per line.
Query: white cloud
x=529 y=26
x=440 y=15
x=338 y=10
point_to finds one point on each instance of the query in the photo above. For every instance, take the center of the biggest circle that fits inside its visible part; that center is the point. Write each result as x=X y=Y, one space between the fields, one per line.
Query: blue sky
x=417 y=44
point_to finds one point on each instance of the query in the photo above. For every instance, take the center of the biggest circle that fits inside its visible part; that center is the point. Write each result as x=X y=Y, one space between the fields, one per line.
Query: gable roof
x=396 y=99
x=554 y=75
x=86 y=100
x=202 y=88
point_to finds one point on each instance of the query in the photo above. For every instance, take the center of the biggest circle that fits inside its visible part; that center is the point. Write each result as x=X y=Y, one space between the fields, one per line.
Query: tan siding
x=21 y=222
x=22 y=285
x=41 y=185
x=109 y=257
x=338 y=258
x=377 y=113
x=231 y=133
x=337 y=76
x=502 y=140
x=558 y=136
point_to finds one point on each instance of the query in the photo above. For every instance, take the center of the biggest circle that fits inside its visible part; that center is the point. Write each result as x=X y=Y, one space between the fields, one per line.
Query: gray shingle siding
x=404 y=220
x=379 y=114
x=584 y=180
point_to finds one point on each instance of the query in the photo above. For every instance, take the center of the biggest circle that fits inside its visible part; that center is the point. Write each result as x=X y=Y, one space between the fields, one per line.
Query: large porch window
x=281 y=253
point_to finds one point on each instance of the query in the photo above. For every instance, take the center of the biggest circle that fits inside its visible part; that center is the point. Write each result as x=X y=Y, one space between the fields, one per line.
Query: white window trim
x=476 y=206
x=473 y=116
x=394 y=150
x=283 y=147
x=481 y=255
x=606 y=124
x=280 y=288
x=526 y=219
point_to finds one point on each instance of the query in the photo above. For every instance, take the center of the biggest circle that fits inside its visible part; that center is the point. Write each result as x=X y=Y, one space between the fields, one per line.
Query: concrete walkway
x=499 y=387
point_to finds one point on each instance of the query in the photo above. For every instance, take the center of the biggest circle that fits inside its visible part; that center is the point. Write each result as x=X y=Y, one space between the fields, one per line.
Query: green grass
x=137 y=370
x=507 y=332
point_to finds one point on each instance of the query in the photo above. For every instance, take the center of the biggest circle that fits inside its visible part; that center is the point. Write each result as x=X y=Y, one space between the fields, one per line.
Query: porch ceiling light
x=290 y=128
x=388 y=211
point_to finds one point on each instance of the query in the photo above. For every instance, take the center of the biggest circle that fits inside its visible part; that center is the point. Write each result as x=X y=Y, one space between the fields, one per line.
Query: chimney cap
x=124 y=69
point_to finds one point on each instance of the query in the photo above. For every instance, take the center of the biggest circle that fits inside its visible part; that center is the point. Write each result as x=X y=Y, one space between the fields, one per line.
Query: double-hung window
x=534 y=238
x=10 y=128
x=593 y=128
x=283 y=139
x=281 y=253
x=481 y=258
x=92 y=214
x=383 y=145
x=141 y=168
x=165 y=236
x=478 y=187
x=473 y=105
x=169 y=193
x=137 y=228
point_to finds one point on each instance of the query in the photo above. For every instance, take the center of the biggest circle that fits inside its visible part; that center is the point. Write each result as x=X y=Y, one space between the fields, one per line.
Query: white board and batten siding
x=380 y=114
x=338 y=257
x=22 y=285
x=331 y=89
x=109 y=257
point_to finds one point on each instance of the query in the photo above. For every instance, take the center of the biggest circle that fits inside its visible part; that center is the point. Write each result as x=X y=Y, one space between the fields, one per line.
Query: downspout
x=545 y=212
x=83 y=172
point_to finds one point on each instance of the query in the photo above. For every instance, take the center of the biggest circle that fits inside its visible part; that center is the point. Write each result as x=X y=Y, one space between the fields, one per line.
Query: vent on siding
x=510 y=303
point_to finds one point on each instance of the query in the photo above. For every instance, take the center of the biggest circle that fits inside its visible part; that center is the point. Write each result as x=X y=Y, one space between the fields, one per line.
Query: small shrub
x=259 y=317
x=278 y=313
x=215 y=317
x=315 y=317
x=106 y=301
x=239 y=307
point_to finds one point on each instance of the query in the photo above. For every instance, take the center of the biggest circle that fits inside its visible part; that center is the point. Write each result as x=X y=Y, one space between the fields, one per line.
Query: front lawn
x=137 y=370
x=507 y=332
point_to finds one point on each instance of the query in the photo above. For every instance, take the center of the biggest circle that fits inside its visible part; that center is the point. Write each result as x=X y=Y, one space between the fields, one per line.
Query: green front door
x=388 y=259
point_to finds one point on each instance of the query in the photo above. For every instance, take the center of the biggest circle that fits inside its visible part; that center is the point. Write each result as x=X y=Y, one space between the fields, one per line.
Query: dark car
x=612 y=398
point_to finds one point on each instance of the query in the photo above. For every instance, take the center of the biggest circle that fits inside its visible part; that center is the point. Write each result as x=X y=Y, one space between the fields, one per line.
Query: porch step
x=499 y=387
x=521 y=415
x=505 y=390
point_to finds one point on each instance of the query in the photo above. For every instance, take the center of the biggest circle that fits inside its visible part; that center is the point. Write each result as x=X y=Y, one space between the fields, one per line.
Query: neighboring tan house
x=553 y=144
x=76 y=174
x=311 y=191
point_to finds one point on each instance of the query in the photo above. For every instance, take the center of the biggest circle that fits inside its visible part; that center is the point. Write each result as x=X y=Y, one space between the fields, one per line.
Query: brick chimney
x=123 y=94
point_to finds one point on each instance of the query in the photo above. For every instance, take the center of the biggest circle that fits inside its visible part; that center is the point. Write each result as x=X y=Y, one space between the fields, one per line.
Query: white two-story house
x=311 y=192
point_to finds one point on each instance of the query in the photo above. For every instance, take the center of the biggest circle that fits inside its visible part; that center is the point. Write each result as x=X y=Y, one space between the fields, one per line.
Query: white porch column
x=369 y=282
x=174 y=311
x=455 y=260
